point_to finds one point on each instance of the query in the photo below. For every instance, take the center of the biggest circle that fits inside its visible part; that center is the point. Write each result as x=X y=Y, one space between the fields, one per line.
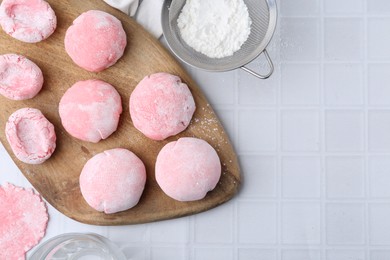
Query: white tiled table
x=313 y=142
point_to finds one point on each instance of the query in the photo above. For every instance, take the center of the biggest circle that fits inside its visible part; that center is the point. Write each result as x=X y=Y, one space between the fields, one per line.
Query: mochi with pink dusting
x=20 y=78
x=95 y=41
x=113 y=181
x=161 y=105
x=90 y=110
x=23 y=222
x=27 y=20
x=31 y=136
x=187 y=169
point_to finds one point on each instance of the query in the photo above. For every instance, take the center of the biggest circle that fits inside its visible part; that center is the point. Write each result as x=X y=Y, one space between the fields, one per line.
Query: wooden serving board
x=57 y=180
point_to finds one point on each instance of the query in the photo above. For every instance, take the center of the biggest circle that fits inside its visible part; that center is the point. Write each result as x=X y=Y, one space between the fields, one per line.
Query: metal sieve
x=263 y=14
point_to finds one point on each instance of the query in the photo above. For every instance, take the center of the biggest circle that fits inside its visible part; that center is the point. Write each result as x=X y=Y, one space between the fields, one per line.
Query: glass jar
x=78 y=246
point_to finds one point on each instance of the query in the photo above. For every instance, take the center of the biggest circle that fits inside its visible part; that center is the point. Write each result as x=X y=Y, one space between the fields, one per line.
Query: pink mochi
x=27 y=20
x=187 y=169
x=161 y=105
x=20 y=78
x=113 y=180
x=31 y=136
x=95 y=41
x=23 y=222
x=90 y=110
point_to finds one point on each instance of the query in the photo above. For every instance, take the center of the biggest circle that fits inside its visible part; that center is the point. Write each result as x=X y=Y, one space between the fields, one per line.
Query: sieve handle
x=260 y=76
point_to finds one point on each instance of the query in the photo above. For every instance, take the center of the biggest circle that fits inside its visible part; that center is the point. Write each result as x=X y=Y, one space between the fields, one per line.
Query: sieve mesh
x=263 y=16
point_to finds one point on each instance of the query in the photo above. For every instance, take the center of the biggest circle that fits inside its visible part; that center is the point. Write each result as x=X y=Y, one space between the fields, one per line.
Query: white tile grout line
x=276 y=247
x=265 y=107
x=312 y=153
x=329 y=61
x=191 y=239
x=322 y=136
x=278 y=157
x=338 y=16
x=366 y=134
x=356 y=200
x=148 y=249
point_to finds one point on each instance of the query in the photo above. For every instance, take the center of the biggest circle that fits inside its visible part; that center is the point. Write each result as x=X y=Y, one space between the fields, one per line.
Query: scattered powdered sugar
x=206 y=126
x=215 y=28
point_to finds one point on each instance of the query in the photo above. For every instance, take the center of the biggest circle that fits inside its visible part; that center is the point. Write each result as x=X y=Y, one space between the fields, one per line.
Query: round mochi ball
x=27 y=20
x=90 y=110
x=95 y=41
x=113 y=180
x=187 y=169
x=161 y=105
x=31 y=136
x=20 y=78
